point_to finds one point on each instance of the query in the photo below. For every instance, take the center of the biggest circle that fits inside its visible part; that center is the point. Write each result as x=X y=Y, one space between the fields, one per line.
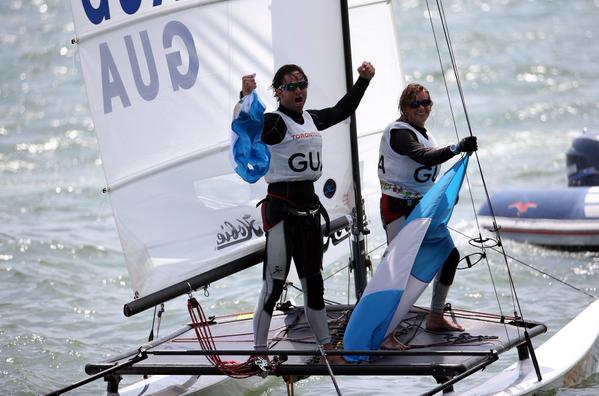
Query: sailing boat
x=162 y=78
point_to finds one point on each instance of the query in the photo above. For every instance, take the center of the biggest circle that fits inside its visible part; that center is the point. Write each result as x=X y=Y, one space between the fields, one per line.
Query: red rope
x=204 y=336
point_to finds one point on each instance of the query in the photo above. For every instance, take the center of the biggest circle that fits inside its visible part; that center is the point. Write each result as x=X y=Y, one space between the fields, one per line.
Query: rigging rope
x=486 y=246
x=255 y=365
x=545 y=273
x=443 y=20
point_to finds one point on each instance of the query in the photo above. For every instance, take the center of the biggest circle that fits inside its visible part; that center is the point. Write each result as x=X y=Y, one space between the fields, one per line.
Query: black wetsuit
x=294 y=236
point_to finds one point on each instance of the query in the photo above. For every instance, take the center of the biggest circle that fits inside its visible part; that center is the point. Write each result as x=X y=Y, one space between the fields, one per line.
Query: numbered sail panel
x=162 y=81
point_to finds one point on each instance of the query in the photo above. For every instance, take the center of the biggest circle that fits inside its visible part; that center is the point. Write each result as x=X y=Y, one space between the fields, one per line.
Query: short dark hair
x=408 y=96
x=277 y=80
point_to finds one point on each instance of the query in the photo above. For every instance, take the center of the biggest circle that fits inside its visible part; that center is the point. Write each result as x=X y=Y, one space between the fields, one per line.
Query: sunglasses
x=417 y=103
x=294 y=85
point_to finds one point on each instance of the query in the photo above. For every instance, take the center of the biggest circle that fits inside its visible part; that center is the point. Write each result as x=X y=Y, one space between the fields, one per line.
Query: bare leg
x=435 y=320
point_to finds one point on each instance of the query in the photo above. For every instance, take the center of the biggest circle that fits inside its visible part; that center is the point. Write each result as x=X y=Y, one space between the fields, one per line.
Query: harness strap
x=291 y=208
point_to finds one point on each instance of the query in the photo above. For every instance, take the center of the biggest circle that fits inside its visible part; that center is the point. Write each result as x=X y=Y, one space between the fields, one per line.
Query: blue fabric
x=373 y=314
x=250 y=153
x=370 y=334
x=437 y=205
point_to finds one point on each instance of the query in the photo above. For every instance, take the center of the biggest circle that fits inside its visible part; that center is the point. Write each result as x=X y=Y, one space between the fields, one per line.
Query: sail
x=162 y=79
x=311 y=36
x=374 y=38
x=410 y=262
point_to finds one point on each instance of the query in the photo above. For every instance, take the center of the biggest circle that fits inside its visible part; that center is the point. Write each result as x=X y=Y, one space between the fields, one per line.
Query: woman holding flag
x=291 y=211
x=409 y=162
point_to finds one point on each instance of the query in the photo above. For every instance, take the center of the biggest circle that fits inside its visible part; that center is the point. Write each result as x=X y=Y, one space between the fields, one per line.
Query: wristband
x=455 y=148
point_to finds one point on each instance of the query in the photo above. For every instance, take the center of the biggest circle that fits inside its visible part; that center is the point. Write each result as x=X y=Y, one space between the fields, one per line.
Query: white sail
x=374 y=38
x=162 y=80
x=312 y=37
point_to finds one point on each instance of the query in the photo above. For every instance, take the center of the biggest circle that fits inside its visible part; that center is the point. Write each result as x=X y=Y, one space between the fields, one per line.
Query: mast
x=358 y=241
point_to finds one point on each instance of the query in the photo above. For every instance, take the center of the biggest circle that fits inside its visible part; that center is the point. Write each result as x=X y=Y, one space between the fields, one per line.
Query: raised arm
x=330 y=116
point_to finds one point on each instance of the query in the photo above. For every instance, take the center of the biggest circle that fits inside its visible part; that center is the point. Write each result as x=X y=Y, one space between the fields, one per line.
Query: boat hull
x=561 y=217
x=565 y=360
x=177 y=385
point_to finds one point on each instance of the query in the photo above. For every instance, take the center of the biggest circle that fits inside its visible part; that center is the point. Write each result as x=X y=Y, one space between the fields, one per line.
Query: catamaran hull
x=205 y=385
x=562 y=217
x=565 y=360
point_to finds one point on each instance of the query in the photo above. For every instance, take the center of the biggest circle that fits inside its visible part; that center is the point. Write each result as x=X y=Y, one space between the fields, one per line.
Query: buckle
x=310 y=212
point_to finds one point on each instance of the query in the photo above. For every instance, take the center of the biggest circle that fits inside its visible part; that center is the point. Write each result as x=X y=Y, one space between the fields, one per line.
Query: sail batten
x=219 y=148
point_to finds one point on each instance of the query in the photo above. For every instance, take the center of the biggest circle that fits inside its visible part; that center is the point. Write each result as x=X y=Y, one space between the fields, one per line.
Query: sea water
x=531 y=84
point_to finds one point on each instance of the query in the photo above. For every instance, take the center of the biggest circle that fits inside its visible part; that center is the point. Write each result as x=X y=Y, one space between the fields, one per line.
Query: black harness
x=291 y=209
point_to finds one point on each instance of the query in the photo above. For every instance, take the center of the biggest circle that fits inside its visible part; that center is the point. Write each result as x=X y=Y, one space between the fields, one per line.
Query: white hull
x=565 y=360
x=205 y=385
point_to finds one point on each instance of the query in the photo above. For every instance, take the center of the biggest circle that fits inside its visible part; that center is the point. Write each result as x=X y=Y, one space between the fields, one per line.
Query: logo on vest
x=237 y=231
x=304 y=135
x=329 y=188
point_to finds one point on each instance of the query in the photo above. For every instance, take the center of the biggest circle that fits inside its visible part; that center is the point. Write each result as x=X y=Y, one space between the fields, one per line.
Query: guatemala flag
x=411 y=261
x=250 y=153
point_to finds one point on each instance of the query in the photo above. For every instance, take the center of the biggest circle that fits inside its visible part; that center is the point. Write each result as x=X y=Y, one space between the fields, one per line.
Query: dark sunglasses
x=294 y=85
x=417 y=103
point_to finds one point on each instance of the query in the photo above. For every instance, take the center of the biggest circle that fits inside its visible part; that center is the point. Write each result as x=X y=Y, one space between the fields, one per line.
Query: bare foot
x=394 y=344
x=332 y=359
x=438 y=322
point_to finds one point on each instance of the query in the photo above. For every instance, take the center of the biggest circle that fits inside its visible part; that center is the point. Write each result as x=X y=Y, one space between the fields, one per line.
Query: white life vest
x=298 y=156
x=401 y=176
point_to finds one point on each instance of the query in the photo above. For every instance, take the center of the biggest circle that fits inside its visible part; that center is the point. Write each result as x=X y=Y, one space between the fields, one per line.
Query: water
x=531 y=83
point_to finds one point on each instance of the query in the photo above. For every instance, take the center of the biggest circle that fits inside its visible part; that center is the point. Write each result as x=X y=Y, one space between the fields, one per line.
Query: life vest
x=401 y=176
x=299 y=155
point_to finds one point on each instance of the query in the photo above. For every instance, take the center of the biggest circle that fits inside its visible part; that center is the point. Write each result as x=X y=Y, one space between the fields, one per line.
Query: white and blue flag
x=250 y=153
x=411 y=261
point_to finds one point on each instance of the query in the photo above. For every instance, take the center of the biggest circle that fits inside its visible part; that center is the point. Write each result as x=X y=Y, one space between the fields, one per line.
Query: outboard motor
x=582 y=160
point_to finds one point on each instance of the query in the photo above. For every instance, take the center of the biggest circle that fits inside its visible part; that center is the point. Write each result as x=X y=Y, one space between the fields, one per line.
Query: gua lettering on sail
x=141 y=54
x=162 y=78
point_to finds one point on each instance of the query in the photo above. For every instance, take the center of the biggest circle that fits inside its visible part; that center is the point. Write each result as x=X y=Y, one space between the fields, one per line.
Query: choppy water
x=531 y=82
